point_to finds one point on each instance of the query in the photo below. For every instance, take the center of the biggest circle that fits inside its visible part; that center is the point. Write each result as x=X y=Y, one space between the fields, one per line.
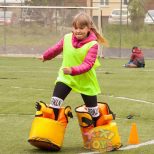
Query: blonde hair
x=82 y=19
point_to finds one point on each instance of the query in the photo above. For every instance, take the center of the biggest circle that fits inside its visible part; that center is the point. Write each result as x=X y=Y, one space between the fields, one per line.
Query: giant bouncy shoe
x=106 y=115
x=46 y=132
x=103 y=134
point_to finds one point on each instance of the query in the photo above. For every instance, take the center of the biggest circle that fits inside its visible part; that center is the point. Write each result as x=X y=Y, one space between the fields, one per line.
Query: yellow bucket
x=103 y=138
x=47 y=134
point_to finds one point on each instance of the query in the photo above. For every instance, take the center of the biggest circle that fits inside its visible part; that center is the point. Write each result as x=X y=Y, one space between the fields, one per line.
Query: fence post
x=100 y=49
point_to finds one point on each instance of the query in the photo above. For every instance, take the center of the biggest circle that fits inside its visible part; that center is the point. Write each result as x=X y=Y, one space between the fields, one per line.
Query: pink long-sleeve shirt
x=137 y=56
x=88 y=61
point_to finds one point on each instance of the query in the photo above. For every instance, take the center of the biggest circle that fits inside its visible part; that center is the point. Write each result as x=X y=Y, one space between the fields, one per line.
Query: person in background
x=136 y=59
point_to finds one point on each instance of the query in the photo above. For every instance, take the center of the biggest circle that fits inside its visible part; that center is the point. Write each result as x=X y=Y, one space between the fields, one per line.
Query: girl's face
x=81 y=32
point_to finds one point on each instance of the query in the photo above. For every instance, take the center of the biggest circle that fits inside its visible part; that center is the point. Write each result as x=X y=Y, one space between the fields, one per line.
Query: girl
x=136 y=59
x=80 y=48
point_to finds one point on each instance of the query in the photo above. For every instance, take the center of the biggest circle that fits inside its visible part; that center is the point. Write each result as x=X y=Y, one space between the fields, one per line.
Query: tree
x=46 y=14
x=137 y=14
x=44 y=2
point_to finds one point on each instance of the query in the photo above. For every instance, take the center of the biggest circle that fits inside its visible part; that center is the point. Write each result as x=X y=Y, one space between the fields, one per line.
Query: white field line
x=89 y=153
x=118 y=97
x=50 y=71
x=28 y=88
x=126 y=148
x=137 y=145
x=35 y=56
x=131 y=99
x=148 y=70
x=103 y=71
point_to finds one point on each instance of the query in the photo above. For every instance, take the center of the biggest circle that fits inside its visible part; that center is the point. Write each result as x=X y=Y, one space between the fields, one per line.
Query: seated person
x=136 y=59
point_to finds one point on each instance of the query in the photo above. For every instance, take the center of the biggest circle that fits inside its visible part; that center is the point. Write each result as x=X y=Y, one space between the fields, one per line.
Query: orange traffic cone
x=133 y=137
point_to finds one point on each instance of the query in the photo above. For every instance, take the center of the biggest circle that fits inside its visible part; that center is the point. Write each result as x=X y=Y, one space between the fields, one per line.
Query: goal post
x=89 y=10
x=43 y=23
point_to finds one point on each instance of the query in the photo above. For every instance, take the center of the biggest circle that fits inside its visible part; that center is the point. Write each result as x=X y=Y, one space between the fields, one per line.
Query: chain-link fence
x=32 y=29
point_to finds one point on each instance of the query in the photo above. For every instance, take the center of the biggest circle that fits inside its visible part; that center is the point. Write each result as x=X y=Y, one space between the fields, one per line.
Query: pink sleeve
x=87 y=63
x=53 y=51
x=132 y=56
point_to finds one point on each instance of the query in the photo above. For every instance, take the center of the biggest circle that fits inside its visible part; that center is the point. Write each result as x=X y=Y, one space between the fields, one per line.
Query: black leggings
x=61 y=90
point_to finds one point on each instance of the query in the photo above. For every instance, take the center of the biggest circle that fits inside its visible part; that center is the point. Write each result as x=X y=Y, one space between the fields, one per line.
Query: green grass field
x=38 y=36
x=23 y=81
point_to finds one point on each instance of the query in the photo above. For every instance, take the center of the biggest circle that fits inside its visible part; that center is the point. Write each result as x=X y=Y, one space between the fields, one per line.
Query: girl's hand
x=41 y=58
x=67 y=70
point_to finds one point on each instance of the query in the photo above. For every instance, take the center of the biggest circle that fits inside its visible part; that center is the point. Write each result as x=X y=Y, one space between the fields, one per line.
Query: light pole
x=4 y=28
x=120 y=25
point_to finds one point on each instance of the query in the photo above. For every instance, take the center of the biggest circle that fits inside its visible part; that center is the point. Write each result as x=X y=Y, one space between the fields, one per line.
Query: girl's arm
x=87 y=63
x=53 y=51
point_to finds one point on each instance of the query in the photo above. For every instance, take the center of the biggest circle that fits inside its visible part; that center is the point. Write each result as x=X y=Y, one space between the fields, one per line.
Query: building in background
x=60 y=15
x=11 y=2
